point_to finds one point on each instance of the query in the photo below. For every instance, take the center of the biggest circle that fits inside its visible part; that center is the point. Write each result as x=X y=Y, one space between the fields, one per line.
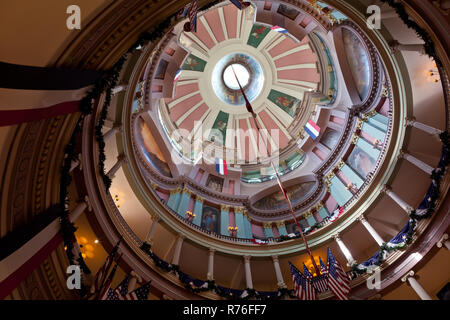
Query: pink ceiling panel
x=246 y=142
x=196 y=115
x=309 y=75
x=213 y=20
x=182 y=90
x=230 y=13
x=203 y=35
x=283 y=46
x=270 y=124
x=181 y=108
x=301 y=57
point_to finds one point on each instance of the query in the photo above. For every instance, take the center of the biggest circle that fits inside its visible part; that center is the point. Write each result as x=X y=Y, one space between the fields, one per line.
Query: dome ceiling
x=280 y=70
x=197 y=115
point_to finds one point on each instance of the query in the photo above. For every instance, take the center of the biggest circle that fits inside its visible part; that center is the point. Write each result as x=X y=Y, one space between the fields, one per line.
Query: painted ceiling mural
x=151 y=150
x=276 y=200
x=358 y=60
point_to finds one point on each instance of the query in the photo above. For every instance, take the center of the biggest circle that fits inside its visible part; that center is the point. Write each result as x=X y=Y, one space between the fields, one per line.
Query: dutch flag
x=177 y=75
x=279 y=29
x=312 y=129
x=221 y=166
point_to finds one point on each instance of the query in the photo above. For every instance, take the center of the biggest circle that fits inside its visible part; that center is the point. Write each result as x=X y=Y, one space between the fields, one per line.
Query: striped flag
x=191 y=26
x=312 y=129
x=105 y=292
x=260 y=242
x=221 y=166
x=140 y=293
x=338 y=280
x=302 y=286
x=309 y=277
x=240 y=4
x=184 y=12
x=279 y=29
x=122 y=288
x=177 y=75
x=100 y=277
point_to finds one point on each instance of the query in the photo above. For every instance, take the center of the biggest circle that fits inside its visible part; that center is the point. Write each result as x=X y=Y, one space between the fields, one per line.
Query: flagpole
x=280 y=183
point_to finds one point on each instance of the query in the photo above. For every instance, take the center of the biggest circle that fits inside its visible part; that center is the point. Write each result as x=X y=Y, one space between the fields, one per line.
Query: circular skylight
x=241 y=73
x=249 y=73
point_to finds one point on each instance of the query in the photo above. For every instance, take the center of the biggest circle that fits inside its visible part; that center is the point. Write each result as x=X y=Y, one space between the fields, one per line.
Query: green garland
x=436 y=177
x=428 y=45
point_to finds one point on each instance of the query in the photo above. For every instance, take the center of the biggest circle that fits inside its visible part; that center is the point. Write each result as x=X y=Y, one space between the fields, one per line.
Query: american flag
x=338 y=280
x=100 y=277
x=184 y=12
x=111 y=295
x=309 y=277
x=104 y=294
x=318 y=282
x=302 y=286
x=193 y=16
x=240 y=4
x=140 y=293
x=122 y=288
x=321 y=282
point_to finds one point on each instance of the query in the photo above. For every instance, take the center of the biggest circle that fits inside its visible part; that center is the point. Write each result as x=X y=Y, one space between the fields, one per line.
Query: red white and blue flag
x=260 y=242
x=221 y=166
x=184 y=12
x=302 y=286
x=240 y=4
x=193 y=16
x=338 y=280
x=140 y=293
x=177 y=75
x=279 y=29
x=312 y=129
x=102 y=273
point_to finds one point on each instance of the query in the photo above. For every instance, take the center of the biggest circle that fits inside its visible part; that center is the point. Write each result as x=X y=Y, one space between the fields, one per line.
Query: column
x=416 y=286
x=248 y=272
x=339 y=191
x=276 y=265
x=134 y=278
x=112 y=132
x=247 y=226
x=239 y=219
x=120 y=160
x=151 y=233
x=198 y=210
x=224 y=219
x=371 y=230
x=184 y=202
x=174 y=199
x=418 y=163
x=396 y=47
x=281 y=228
x=322 y=210
x=119 y=88
x=79 y=209
x=310 y=218
x=75 y=163
x=210 y=274
x=268 y=229
x=406 y=207
x=425 y=128
x=177 y=253
x=443 y=242
x=345 y=251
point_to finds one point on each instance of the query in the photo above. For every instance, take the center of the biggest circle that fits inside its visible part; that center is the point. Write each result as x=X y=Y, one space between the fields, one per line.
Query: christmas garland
x=109 y=80
x=197 y=286
x=424 y=211
x=428 y=45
